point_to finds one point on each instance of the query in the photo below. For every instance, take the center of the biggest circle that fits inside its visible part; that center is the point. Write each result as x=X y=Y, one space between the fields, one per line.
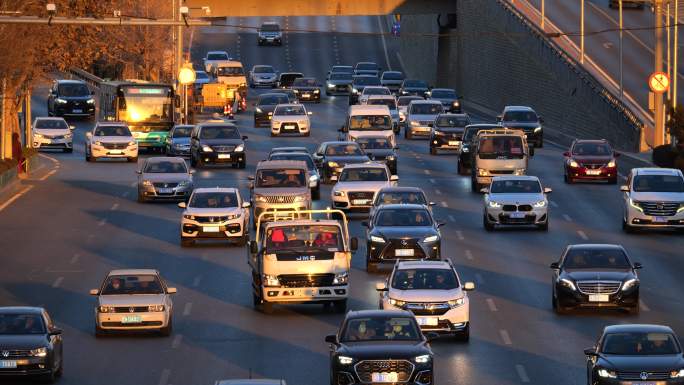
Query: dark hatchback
x=448 y=98
x=264 y=106
x=217 y=143
x=30 y=344
x=635 y=355
x=465 y=156
x=307 y=90
x=447 y=133
x=331 y=157
x=359 y=82
x=595 y=275
x=414 y=87
x=401 y=231
x=380 y=346
x=70 y=98
x=524 y=118
x=590 y=160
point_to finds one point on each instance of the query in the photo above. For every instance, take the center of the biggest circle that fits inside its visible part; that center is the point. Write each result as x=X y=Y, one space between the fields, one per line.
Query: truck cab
x=498 y=152
x=297 y=259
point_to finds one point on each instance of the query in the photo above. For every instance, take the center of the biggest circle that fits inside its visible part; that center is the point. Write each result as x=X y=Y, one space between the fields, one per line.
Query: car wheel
x=370 y=266
x=544 y=226
x=340 y=306
x=627 y=228
x=487 y=224
x=88 y=158
x=464 y=336
x=133 y=159
x=168 y=329
x=99 y=332
x=186 y=242
x=633 y=310
x=243 y=163
x=242 y=241
x=193 y=162
x=267 y=307
x=433 y=151
x=316 y=193
x=49 y=378
x=473 y=185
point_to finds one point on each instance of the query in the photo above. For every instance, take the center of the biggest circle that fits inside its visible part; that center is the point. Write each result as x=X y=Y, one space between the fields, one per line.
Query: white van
x=369 y=120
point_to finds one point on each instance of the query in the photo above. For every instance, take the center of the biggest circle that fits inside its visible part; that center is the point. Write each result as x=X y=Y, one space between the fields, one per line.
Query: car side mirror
x=431 y=203
x=484 y=190
x=171 y=290
x=380 y=286
x=354 y=244
x=182 y=205
x=309 y=113
x=246 y=205
x=253 y=247
x=138 y=172
x=334 y=178
x=499 y=118
x=331 y=339
x=94 y=292
x=637 y=265
x=441 y=224
x=72 y=128
x=624 y=188
x=547 y=190
x=364 y=223
x=541 y=120
x=469 y=286
x=250 y=178
x=250 y=185
x=245 y=137
x=566 y=153
x=616 y=154
x=431 y=336
x=341 y=129
x=394 y=178
x=55 y=332
x=590 y=351
x=554 y=265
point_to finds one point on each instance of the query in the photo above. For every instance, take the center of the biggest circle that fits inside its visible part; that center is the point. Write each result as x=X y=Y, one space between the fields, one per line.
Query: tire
x=459 y=168
x=133 y=159
x=243 y=240
x=487 y=225
x=99 y=332
x=193 y=161
x=633 y=310
x=88 y=158
x=243 y=164
x=544 y=226
x=627 y=228
x=267 y=307
x=316 y=193
x=370 y=266
x=49 y=378
x=473 y=185
x=340 y=307
x=141 y=198
x=168 y=329
x=464 y=336
x=186 y=242
x=433 y=151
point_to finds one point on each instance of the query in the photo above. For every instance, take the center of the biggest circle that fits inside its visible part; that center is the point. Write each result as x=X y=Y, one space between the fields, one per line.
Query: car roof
x=154 y=159
x=301 y=222
x=452 y=115
x=357 y=109
x=515 y=177
x=425 y=101
x=132 y=272
x=266 y=164
x=269 y=94
x=655 y=171
x=402 y=206
x=378 y=313
x=401 y=189
x=291 y=105
x=286 y=149
x=20 y=309
x=111 y=124
x=50 y=118
x=215 y=189
x=370 y=164
x=402 y=265
x=518 y=108
x=70 y=81
x=595 y=246
x=644 y=328
x=443 y=89
x=340 y=142
x=259 y=381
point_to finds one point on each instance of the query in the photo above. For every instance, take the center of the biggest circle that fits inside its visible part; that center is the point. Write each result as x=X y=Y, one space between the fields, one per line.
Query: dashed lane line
x=479 y=279
x=432 y=180
x=75 y=258
x=164 y=379
x=196 y=281
x=522 y=373
x=469 y=254
x=427 y=172
x=438 y=192
x=58 y=282
x=49 y=174
x=187 y=309
x=15 y=197
x=643 y=306
x=176 y=341
x=102 y=222
x=553 y=203
x=444 y=204
x=491 y=304
x=567 y=217
x=582 y=235
x=114 y=206
x=451 y=218
x=505 y=337
x=459 y=235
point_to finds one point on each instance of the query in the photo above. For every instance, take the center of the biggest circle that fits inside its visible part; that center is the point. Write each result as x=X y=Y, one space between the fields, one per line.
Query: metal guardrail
x=86 y=76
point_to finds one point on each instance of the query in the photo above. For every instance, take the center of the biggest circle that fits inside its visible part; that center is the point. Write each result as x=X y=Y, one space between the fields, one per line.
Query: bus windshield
x=147 y=105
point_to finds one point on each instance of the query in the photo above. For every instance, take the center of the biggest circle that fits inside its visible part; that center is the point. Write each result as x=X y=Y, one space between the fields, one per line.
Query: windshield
x=217 y=56
x=263 y=70
x=380 y=143
x=520 y=116
x=451 y=121
x=132 y=284
x=58 y=124
x=21 y=324
x=344 y=69
x=219 y=132
x=405 y=100
x=381 y=328
x=272 y=100
x=580 y=258
x=658 y=183
x=182 y=131
x=376 y=91
x=403 y=217
x=112 y=131
x=292 y=156
x=340 y=76
x=270 y=27
x=343 y=149
x=370 y=122
x=304 y=82
x=366 y=81
x=426 y=108
x=71 y=90
x=443 y=94
x=367 y=66
x=391 y=103
x=290 y=77
x=153 y=104
x=425 y=279
x=501 y=147
x=297 y=237
x=472 y=131
x=289 y=110
x=515 y=186
x=639 y=343
x=392 y=76
x=165 y=167
x=370 y=174
x=415 y=84
x=213 y=200
x=592 y=149
x=290 y=177
x=230 y=71
x=401 y=197
x=201 y=75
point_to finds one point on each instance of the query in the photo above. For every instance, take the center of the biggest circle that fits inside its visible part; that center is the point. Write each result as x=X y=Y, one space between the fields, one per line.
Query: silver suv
x=653 y=197
x=280 y=185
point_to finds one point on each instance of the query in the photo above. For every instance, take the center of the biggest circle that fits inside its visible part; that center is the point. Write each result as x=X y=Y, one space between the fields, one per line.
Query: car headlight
x=482 y=172
x=38 y=136
x=184 y=183
x=313 y=178
x=519 y=171
x=607 y=373
x=431 y=238
x=316 y=91
x=567 y=283
x=493 y=204
x=261 y=199
x=341 y=279
x=424 y=359
x=302 y=122
x=147 y=183
x=299 y=198
x=338 y=193
x=354 y=90
x=331 y=85
x=187 y=216
x=232 y=216
x=206 y=148
x=275 y=123
x=295 y=91
x=60 y=101
x=105 y=309
x=239 y=148
x=270 y=280
x=537 y=129
x=98 y=143
x=414 y=123
x=132 y=143
x=456 y=103
x=397 y=302
x=90 y=101
x=540 y=204
x=677 y=373
x=40 y=352
x=681 y=207
x=574 y=164
x=391 y=157
x=456 y=302
x=630 y=283
x=344 y=360
x=333 y=164
x=258 y=110
x=635 y=204
x=68 y=135
x=465 y=149
x=376 y=239
x=611 y=164
x=155 y=308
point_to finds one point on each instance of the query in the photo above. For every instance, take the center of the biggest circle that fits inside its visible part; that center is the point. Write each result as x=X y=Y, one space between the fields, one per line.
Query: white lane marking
x=553 y=203
x=451 y=218
x=58 y=282
x=427 y=172
x=187 y=309
x=401 y=62
x=582 y=235
x=567 y=217
x=51 y=173
x=164 y=379
x=491 y=304
x=133 y=184
x=102 y=222
x=196 y=281
x=432 y=180
x=49 y=157
x=114 y=206
x=15 y=197
x=176 y=341
x=75 y=258
x=125 y=194
x=384 y=44
x=479 y=279
x=643 y=306
x=438 y=192
x=469 y=254
x=522 y=373
x=444 y=204
x=607 y=45
x=505 y=337
x=459 y=235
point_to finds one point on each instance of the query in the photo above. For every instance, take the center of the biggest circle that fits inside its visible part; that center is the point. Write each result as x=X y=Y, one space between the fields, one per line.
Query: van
x=369 y=120
x=498 y=152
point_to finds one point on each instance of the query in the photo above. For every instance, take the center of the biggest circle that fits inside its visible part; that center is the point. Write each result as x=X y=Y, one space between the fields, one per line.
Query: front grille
x=164 y=185
x=211 y=219
x=127 y=309
x=289 y=127
x=364 y=369
x=663 y=209
x=517 y=208
x=360 y=195
x=501 y=172
x=593 y=166
x=389 y=252
x=223 y=148
x=15 y=353
x=599 y=287
x=306 y=280
x=637 y=376
x=428 y=123
x=280 y=198
x=507 y=220
x=53 y=137
x=427 y=308
x=115 y=146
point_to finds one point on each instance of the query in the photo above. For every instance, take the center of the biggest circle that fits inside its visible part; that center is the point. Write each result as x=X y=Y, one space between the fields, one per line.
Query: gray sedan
x=164 y=178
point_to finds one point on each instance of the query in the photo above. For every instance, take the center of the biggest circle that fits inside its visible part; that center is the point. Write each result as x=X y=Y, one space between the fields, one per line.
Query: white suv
x=653 y=197
x=357 y=184
x=516 y=200
x=433 y=292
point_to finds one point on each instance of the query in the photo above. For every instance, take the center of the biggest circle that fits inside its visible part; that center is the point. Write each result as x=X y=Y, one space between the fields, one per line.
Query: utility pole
x=622 y=90
x=27 y=119
x=667 y=55
x=675 y=53
x=543 y=14
x=582 y=31
x=659 y=131
x=3 y=137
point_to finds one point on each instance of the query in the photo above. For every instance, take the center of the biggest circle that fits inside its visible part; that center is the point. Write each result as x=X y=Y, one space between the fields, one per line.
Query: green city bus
x=147 y=108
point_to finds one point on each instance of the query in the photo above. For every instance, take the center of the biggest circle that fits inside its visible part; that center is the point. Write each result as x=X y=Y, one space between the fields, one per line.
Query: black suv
x=447 y=133
x=70 y=98
x=380 y=346
x=217 y=143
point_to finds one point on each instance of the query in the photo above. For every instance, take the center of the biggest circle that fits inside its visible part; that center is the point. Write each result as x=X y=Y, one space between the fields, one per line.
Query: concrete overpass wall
x=418 y=54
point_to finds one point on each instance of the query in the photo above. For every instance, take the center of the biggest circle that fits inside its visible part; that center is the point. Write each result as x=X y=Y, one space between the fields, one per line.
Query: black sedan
x=380 y=346
x=30 y=344
x=636 y=354
x=448 y=98
x=447 y=133
x=465 y=157
x=217 y=143
x=414 y=87
x=307 y=90
x=401 y=231
x=70 y=98
x=359 y=82
x=380 y=149
x=595 y=275
x=331 y=157
x=264 y=106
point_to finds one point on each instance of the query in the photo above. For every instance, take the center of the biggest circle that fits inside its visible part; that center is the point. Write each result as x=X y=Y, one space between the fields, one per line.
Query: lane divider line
x=114 y=206
x=469 y=254
x=451 y=218
x=187 y=309
x=432 y=180
x=58 y=282
x=643 y=306
x=491 y=304
x=176 y=341
x=553 y=203
x=164 y=379
x=567 y=217
x=75 y=258
x=196 y=281
x=505 y=337
x=459 y=235
x=102 y=222
x=438 y=192
x=522 y=373
x=582 y=235
x=444 y=204
x=15 y=197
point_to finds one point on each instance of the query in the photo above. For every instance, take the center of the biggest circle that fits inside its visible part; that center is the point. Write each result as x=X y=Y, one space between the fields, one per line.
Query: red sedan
x=590 y=160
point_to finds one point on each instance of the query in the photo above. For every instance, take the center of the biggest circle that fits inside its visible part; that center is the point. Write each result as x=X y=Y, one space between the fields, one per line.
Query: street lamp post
x=186 y=76
x=543 y=14
x=675 y=72
x=621 y=31
x=582 y=31
x=659 y=129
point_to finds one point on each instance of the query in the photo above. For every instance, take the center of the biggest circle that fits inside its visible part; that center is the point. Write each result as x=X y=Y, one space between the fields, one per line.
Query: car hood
x=391 y=82
x=399 y=232
x=422 y=116
x=365 y=186
x=264 y=75
x=662 y=363
x=212 y=212
x=305 y=88
x=181 y=140
x=347 y=159
x=597 y=275
x=22 y=341
x=131 y=300
x=171 y=178
x=426 y=295
x=113 y=139
x=384 y=349
x=218 y=142
x=657 y=196
x=517 y=198
x=521 y=125
x=340 y=82
x=51 y=131
x=77 y=98
x=592 y=159
x=280 y=190
x=450 y=130
x=445 y=100
x=415 y=89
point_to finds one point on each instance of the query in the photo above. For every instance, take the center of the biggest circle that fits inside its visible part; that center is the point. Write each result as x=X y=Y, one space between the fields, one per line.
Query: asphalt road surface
x=60 y=238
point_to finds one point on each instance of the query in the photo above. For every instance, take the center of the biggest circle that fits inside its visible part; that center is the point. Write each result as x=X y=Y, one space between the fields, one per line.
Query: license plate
x=116 y=152
x=642 y=383
x=224 y=156
x=8 y=364
x=360 y=201
x=518 y=215
x=454 y=143
x=165 y=190
x=78 y=111
x=131 y=319
x=427 y=321
x=660 y=219
x=210 y=229
x=385 y=377
x=598 y=297
x=593 y=172
x=289 y=127
x=403 y=252
x=306 y=95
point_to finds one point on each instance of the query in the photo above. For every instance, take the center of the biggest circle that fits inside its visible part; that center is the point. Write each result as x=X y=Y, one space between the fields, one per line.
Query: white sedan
x=290 y=119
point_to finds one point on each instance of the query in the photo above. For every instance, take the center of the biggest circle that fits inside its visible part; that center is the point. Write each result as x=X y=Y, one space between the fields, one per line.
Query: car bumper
x=27 y=366
x=52 y=143
x=304 y=294
x=172 y=194
x=308 y=97
x=219 y=230
x=637 y=218
x=343 y=203
x=338 y=90
x=385 y=252
x=149 y=321
x=422 y=374
x=617 y=381
x=273 y=40
x=68 y=110
x=175 y=151
x=289 y=128
x=445 y=143
x=264 y=82
x=498 y=216
x=222 y=158
x=452 y=321
x=583 y=173
x=419 y=130
x=101 y=152
x=574 y=298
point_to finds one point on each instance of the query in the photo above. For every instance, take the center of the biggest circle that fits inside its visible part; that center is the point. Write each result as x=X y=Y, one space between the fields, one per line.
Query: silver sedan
x=164 y=178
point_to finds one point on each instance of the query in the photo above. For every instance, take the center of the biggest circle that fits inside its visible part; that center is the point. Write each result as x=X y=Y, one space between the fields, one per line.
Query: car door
x=625 y=195
x=319 y=157
x=194 y=141
x=55 y=340
x=51 y=98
